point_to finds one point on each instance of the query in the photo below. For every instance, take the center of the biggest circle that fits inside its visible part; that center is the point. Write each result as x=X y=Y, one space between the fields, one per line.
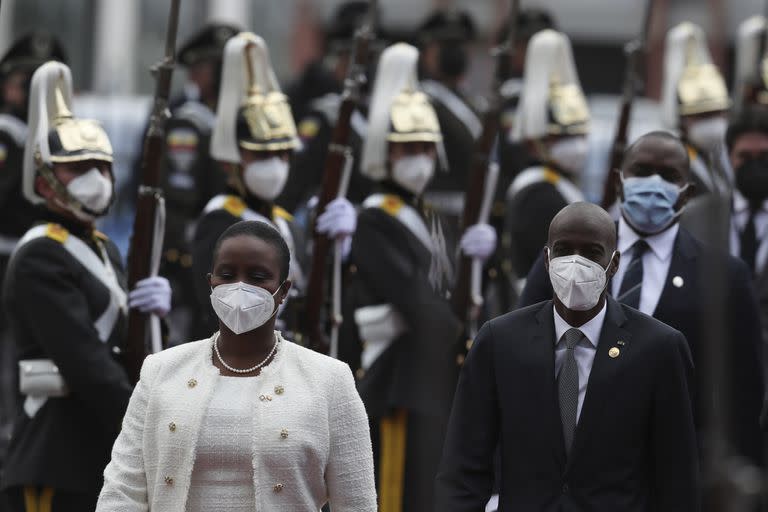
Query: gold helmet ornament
x=552 y=101
x=252 y=112
x=692 y=84
x=55 y=135
x=399 y=111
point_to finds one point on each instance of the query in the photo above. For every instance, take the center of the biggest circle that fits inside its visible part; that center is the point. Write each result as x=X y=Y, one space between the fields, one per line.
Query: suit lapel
x=542 y=377
x=682 y=272
x=605 y=368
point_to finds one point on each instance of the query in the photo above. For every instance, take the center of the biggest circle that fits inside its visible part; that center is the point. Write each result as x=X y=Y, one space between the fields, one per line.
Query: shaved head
x=587 y=220
x=658 y=153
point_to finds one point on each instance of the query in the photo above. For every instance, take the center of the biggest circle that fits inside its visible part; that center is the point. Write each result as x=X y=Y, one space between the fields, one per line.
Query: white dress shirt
x=656 y=263
x=584 y=351
x=739 y=221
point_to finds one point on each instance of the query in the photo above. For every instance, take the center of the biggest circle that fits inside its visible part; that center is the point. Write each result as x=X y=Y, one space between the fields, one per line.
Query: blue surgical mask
x=649 y=203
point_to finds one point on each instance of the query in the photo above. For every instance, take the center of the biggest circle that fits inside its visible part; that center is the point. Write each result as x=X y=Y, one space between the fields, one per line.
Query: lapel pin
x=620 y=343
x=677 y=282
x=614 y=352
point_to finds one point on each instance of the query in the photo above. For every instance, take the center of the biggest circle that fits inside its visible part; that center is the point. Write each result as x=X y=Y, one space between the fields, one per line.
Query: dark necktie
x=749 y=243
x=568 y=388
x=632 y=284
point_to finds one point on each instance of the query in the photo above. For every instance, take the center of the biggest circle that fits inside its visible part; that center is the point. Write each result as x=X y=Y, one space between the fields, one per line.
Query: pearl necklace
x=246 y=370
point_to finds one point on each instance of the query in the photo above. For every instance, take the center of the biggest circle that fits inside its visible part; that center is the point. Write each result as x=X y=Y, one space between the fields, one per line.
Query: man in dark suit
x=587 y=397
x=666 y=280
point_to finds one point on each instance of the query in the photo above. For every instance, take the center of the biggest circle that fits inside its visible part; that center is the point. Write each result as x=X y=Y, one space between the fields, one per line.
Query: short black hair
x=752 y=119
x=660 y=135
x=262 y=231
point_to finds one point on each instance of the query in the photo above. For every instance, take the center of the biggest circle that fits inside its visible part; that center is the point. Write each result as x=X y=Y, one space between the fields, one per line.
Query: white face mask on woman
x=577 y=281
x=243 y=307
x=93 y=190
x=265 y=179
x=413 y=173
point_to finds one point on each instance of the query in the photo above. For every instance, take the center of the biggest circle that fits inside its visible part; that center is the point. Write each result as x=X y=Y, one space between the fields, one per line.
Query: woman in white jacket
x=244 y=420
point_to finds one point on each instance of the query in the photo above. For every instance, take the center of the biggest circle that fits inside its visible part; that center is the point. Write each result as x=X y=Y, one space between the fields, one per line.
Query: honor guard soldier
x=191 y=177
x=318 y=97
x=444 y=38
x=66 y=302
x=253 y=139
x=16 y=213
x=553 y=121
x=500 y=295
x=695 y=102
x=399 y=331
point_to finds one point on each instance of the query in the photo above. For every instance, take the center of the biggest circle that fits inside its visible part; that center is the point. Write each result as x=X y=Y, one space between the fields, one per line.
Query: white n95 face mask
x=577 y=281
x=92 y=189
x=243 y=307
x=709 y=133
x=413 y=173
x=570 y=154
x=265 y=179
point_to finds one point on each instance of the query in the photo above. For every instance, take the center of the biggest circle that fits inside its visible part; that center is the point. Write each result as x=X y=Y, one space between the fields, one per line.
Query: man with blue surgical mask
x=659 y=274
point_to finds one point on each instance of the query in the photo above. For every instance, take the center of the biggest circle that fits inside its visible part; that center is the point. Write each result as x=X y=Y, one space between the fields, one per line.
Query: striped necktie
x=568 y=387
x=632 y=284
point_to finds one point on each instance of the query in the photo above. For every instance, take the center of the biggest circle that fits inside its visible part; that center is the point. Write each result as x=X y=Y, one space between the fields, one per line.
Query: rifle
x=145 y=232
x=634 y=51
x=338 y=157
x=465 y=297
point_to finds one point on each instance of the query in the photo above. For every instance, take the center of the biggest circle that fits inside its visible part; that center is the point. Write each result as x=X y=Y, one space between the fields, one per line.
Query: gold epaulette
x=56 y=232
x=551 y=176
x=392 y=204
x=101 y=236
x=692 y=153
x=234 y=205
x=280 y=212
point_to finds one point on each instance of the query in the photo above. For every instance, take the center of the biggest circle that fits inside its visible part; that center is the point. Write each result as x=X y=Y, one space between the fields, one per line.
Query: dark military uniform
x=60 y=309
x=459 y=123
x=220 y=213
x=533 y=200
x=16 y=213
x=406 y=389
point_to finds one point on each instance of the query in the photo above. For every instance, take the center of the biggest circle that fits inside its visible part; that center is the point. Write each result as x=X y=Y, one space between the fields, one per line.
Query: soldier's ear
x=209 y=277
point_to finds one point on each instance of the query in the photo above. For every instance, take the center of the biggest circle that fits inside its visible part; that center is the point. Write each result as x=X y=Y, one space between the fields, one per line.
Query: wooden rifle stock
x=461 y=297
x=332 y=174
x=142 y=239
x=634 y=50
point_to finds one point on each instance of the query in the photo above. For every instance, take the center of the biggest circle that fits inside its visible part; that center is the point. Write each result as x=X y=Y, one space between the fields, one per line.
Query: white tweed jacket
x=326 y=455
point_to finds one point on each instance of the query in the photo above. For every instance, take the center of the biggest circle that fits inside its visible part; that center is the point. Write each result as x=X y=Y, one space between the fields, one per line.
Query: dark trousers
x=47 y=499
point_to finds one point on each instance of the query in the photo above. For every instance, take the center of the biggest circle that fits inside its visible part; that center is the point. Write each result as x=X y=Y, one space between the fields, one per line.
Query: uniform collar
x=661 y=244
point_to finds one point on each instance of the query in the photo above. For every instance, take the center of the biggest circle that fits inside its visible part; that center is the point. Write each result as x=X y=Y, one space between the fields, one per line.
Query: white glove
x=151 y=295
x=479 y=241
x=338 y=220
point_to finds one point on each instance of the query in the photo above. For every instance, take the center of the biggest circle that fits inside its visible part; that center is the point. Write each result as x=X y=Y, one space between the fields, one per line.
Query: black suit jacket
x=634 y=448
x=681 y=305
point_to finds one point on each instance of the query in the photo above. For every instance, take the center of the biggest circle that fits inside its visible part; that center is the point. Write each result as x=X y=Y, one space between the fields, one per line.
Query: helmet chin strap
x=65 y=200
